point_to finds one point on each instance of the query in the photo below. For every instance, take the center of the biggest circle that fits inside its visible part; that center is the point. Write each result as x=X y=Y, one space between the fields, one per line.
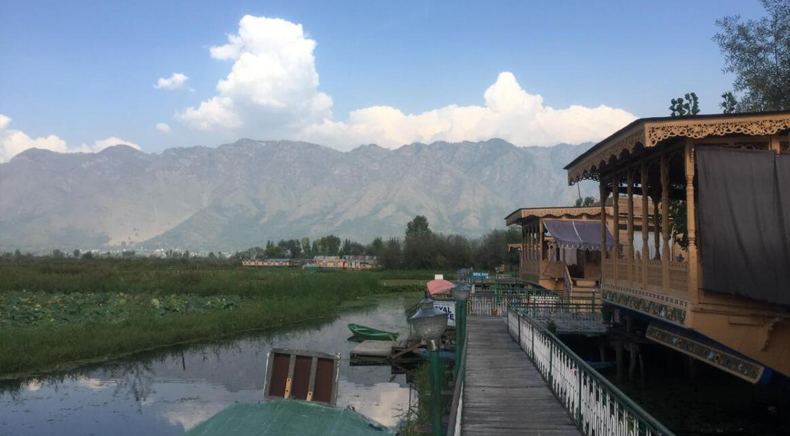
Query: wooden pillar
x=665 y=219
x=775 y=145
x=630 y=181
x=645 y=224
x=540 y=243
x=602 y=188
x=524 y=264
x=691 y=225
x=616 y=224
x=656 y=228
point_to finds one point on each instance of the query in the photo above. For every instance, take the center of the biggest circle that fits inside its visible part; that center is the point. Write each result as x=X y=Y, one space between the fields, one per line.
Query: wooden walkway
x=504 y=393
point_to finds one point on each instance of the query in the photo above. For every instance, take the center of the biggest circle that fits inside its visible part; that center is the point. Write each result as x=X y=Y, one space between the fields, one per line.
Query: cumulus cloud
x=509 y=112
x=101 y=144
x=176 y=81
x=163 y=127
x=272 y=84
x=273 y=91
x=13 y=142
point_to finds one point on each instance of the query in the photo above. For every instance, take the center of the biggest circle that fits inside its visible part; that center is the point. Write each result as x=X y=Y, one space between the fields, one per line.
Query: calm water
x=169 y=392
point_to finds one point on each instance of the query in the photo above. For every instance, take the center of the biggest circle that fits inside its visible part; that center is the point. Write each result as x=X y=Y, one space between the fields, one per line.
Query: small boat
x=371 y=334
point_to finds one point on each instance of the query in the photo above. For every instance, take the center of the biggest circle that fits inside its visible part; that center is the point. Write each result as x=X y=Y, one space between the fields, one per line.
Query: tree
x=586 y=202
x=376 y=247
x=729 y=104
x=57 y=254
x=306 y=249
x=758 y=52
x=76 y=254
x=419 y=249
x=418 y=228
x=391 y=255
x=681 y=107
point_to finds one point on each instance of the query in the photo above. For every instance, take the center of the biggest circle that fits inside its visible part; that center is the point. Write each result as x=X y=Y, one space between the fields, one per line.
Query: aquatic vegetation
x=27 y=309
x=55 y=313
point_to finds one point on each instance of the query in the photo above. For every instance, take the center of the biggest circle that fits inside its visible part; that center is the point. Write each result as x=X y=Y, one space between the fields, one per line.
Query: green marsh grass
x=266 y=298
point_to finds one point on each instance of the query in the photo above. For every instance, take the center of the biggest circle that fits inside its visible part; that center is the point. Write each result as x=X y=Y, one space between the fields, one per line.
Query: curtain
x=744 y=215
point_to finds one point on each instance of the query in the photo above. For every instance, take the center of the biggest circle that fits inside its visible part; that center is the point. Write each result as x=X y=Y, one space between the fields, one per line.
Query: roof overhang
x=520 y=216
x=651 y=132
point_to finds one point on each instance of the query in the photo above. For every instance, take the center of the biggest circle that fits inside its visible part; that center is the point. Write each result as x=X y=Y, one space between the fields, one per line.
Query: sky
x=79 y=76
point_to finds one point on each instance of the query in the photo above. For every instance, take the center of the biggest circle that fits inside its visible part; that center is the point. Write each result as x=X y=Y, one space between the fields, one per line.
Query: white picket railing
x=597 y=406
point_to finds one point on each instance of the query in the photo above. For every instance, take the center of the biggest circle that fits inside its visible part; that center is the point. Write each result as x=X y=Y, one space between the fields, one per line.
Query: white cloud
x=509 y=113
x=163 y=127
x=176 y=81
x=272 y=92
x=13 y=142
x=272 y=84
x=100 y=144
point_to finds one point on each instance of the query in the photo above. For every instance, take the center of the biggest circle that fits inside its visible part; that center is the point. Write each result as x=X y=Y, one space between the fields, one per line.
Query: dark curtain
x=744 y=222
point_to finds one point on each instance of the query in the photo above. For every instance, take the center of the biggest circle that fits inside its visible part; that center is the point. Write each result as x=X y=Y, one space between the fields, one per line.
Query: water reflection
x=169 y=392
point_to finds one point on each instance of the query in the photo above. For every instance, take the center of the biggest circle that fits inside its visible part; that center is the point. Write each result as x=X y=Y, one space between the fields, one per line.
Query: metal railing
x=577 y=316
x=457 y=406
x=595 y=404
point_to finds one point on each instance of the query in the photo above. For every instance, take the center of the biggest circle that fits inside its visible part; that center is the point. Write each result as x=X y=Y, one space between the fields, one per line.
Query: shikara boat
x=372 y=334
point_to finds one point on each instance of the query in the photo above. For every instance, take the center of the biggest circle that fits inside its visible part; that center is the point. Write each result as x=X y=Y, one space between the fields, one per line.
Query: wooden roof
x=650 y=132
x=519 y=216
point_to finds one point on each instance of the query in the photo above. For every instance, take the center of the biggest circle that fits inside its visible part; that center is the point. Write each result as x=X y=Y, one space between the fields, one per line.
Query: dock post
x=436 y=389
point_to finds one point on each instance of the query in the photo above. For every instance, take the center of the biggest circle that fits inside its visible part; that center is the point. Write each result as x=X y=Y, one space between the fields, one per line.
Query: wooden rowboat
x=372 y=334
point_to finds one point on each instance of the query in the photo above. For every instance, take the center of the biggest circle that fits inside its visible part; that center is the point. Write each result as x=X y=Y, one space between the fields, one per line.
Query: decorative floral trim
x=740 y=367
x=653 y=308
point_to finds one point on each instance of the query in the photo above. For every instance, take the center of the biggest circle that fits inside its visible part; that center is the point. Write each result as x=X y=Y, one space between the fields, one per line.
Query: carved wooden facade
x=654 y=160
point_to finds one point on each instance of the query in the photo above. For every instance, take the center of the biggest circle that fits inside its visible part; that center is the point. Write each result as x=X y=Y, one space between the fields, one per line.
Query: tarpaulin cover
x=744 y=222
x=585 y=235
x=439 y=286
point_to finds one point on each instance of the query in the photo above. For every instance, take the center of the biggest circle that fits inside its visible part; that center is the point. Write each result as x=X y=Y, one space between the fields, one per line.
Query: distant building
x=346 y=262
x=268 y=262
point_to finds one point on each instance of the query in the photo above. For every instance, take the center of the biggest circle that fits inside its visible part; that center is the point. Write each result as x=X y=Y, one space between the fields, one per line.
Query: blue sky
x=85 y=70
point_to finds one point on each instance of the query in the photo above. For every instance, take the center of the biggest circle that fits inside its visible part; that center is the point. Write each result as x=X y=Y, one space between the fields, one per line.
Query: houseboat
x=720 y=186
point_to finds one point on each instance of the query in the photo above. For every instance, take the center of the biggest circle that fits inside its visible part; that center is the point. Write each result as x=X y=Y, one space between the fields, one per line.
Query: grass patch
x=55 y=312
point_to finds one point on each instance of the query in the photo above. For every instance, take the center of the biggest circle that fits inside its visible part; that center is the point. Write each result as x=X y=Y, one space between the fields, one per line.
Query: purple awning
x=579 y=234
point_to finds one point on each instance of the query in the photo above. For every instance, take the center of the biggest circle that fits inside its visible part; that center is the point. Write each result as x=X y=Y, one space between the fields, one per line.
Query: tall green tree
x=758 y=53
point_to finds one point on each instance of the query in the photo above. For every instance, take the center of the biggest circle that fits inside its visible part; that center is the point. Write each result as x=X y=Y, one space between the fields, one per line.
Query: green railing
x=457 y=405
x=596 y=405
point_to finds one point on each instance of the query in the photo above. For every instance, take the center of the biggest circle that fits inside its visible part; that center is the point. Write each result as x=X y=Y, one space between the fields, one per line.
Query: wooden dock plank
x=504 y=394
x=373 y=349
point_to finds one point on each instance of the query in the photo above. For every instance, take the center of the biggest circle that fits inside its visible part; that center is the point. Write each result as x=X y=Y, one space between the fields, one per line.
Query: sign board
x=479 y=275
x=438 y=276
x=449 y=307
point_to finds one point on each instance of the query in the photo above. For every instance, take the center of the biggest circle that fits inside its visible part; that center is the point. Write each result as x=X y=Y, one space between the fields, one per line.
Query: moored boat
x=371 y=334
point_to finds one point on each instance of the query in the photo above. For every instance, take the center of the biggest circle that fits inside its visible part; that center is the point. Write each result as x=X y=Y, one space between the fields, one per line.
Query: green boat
x=371 y=334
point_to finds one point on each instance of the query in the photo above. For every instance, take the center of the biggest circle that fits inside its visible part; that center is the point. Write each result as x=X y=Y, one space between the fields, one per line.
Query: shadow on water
x=171 y=390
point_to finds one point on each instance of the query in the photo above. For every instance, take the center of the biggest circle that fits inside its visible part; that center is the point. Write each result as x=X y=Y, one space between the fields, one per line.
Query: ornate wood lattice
x=650 y=133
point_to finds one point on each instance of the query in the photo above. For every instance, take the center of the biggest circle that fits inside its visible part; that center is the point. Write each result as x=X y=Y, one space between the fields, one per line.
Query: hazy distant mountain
x=240 y=195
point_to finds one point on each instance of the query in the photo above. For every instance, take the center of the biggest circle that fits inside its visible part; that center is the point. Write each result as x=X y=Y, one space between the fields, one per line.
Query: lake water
x=170 y=391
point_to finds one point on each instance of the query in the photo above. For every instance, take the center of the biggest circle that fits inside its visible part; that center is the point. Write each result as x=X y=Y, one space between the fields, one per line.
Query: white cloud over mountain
x=273 y=91
x=272 y=84
x=163 y=127
x=13 y=142
x=176 y=81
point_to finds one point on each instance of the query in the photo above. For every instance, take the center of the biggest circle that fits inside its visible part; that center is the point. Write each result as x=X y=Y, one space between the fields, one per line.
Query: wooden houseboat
x=561 y=247
x=721 y=187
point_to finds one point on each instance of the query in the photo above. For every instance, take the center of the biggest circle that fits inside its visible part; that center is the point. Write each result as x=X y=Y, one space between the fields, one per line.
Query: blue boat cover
x=578 y=234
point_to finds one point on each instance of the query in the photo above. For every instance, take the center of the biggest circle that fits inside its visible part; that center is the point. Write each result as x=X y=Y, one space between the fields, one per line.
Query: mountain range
x=240 y=195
